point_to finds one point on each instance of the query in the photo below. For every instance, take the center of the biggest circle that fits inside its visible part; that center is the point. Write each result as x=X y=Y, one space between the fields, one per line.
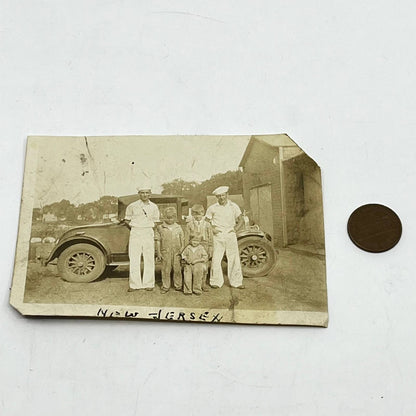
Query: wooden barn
x=282 y=191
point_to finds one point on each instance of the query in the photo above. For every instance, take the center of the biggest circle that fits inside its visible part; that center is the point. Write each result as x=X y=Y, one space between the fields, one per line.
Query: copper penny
x=374 y=228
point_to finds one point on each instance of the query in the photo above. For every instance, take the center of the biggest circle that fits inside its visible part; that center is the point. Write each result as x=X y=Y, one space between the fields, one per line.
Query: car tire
x=81 y=263
x=257 y=256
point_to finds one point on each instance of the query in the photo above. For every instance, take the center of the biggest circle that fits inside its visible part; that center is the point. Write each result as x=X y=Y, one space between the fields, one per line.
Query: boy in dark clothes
x=169 y=238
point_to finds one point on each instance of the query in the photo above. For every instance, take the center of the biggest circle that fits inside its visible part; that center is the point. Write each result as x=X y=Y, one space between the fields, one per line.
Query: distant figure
x=199 y=225
x=195 y=258
x=169 y=245
x=141 y=217
x=225 y=217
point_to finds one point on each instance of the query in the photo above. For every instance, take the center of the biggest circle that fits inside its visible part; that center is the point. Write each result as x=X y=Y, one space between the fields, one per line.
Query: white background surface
x=338 y=77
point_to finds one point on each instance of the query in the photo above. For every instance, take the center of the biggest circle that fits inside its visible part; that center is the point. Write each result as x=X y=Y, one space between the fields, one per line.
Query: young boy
x=169 y=238
x=195 y=269
x=198 y=225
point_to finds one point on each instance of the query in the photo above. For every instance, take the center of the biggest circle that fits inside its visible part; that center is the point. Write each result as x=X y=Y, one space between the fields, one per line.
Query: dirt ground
x=296 y=283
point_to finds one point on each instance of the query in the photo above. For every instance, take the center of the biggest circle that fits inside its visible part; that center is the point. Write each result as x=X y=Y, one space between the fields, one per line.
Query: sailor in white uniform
x=141 y=216
x=225 y=217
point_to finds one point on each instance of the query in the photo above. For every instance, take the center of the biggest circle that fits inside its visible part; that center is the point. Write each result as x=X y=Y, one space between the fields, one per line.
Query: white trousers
x=142 y=242
x=226 y=243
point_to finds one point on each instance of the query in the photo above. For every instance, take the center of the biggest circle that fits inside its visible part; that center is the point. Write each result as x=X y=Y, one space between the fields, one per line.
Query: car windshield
x=162 y=201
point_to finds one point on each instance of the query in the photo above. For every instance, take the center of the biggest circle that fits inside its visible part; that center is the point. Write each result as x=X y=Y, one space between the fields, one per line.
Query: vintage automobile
x=85 y=253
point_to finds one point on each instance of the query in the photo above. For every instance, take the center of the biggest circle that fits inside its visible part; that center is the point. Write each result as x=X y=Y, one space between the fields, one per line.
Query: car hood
x=86 y=229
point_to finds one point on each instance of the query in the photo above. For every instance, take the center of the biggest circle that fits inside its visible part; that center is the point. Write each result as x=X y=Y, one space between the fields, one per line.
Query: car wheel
x=257 y=256
x=81 y=263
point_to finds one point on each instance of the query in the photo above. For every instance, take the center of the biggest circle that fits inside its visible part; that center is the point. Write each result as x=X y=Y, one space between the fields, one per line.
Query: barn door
x=261 y=207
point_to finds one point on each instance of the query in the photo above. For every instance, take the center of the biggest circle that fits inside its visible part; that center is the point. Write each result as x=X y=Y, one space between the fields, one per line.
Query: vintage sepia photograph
x=220 y=229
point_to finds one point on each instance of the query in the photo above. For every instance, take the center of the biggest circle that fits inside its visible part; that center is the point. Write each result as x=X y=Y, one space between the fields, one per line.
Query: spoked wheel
x=257 y=256
x=81 y=263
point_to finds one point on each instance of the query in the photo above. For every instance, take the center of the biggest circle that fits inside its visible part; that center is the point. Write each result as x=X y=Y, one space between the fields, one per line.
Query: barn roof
x=272 y=140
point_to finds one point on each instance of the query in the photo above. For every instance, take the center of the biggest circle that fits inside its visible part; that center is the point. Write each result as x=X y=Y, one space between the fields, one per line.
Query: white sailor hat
x=220 y=190
x=145 y=186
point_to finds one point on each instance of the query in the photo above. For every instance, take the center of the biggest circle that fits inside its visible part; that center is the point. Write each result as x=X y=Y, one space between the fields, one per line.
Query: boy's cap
x=198 y=209
x=170 y=211
x=220 y=190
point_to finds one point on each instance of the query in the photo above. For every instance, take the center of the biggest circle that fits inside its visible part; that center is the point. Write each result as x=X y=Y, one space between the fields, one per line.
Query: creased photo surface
x=213 y=229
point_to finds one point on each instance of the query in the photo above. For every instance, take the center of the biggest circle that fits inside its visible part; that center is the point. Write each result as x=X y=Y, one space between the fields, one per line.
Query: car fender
x=250 y=233
x=62 y=245
x=253 y=233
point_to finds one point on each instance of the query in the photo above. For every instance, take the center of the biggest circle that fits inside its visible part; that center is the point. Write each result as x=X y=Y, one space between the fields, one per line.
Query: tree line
x=194 y=192
x=64 y=210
